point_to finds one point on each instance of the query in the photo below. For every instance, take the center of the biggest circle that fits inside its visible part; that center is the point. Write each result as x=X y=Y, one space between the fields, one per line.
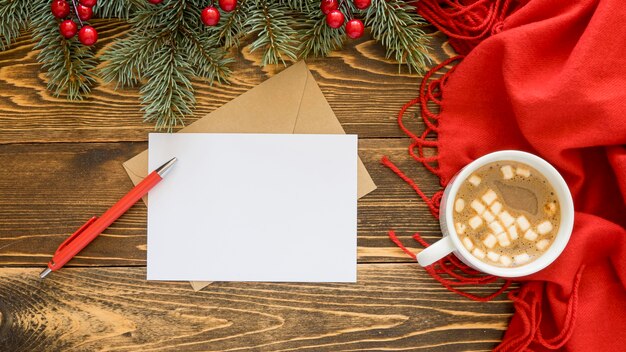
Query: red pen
x=94 y=226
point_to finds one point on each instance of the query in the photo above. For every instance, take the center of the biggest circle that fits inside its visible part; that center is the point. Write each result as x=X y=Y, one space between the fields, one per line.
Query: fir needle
x=76 y=11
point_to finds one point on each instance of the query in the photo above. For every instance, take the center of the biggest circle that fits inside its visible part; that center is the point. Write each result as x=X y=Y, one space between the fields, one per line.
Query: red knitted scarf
x=547 y=77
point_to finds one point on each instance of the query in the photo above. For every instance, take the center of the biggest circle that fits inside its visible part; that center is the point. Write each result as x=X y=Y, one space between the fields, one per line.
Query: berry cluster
x=68 y=27
x=335 y=18
x=210 y=15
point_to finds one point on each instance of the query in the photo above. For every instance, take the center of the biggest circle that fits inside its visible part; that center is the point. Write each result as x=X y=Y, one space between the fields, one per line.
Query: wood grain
x=60 y=163
x=393 y=307
x=49 y=190
x=364 y=89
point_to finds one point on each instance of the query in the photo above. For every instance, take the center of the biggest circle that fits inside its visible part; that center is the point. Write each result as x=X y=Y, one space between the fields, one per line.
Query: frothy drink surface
x=506 y=214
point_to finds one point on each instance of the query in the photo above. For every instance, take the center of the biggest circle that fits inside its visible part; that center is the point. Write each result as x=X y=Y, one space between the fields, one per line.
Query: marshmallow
x=503 y=240
x=530 y=235
x=507 y=172
x=490 y=241
x=475 y=222
x=544 y=227
x=478 y=206
x=474 y=180
x=505 y=260
x=460 y=228
x=459 y=205
x=496 y=207
x=489 y=197
x=488 y=216
x=521 y=258
x=468 y=243
x=543 y=244
x=506 y=218
x=523 y=223
x=512 y=232
x=524 y=172
x=478 y=253
x=493 y=256
x=550 y=208
x=496 y=227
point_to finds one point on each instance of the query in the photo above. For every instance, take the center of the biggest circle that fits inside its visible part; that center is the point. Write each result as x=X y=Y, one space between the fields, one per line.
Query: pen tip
x=162 y=170
x=45 y=273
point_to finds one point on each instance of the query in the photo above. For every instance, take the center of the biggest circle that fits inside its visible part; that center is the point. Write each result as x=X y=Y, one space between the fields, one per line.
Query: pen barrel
x=105 y=220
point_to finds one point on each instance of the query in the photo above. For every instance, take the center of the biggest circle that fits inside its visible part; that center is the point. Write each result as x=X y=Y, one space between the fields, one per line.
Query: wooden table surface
x=60 y=163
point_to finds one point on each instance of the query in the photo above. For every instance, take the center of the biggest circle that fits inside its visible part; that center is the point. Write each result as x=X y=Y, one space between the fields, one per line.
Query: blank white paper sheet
x=253 y=207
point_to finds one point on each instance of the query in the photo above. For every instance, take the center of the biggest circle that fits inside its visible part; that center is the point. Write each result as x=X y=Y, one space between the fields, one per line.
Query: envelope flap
x=270 y=107
x=316 y=116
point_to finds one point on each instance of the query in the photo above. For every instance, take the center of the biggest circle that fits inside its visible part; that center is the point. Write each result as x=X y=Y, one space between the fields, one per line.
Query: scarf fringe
x=449 y=271
x=468 y=25
x=529 y=306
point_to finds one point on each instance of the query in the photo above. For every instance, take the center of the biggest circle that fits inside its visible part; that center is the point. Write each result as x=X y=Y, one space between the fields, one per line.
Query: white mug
x=450 y=242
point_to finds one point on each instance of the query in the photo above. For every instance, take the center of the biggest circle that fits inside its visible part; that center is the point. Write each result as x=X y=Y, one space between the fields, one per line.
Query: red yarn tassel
x=529 y=306
x=449 y=271
x=465 y=22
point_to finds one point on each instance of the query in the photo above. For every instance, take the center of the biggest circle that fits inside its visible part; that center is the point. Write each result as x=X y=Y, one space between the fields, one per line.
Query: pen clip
x=76 y=234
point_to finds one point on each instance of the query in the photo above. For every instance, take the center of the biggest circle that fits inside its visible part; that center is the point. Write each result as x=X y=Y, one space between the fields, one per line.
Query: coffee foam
x=523 y=230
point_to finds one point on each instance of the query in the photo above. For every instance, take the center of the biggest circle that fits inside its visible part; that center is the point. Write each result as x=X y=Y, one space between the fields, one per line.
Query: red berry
x=84 y=12
x=228 y=5
x=60 y=8
x=328 y=5
x=88 y=35
x=210 y=16
x=334 y=19
x=155 y=1
x=362 y=4
x=354 y=28
x=88 y=3
x=68 y=28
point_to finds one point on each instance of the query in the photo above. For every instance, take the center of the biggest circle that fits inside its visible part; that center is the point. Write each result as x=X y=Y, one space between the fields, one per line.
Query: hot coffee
x=506 y=214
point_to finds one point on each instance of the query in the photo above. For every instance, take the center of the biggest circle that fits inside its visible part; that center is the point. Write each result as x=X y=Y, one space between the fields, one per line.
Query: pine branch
x=166 y=48
x=398 y=27
x=122 y=9
x=210 y=62
x=166 y=16
x=69 y=65
x=301 y=5
x=13 y=20
x=274 y=27
x=167 y=95
x=234 y=26
x=318 y=39
x=349 y=10
x=168 y=45
x=150 y=54
x=127 y=59
x=203 y=48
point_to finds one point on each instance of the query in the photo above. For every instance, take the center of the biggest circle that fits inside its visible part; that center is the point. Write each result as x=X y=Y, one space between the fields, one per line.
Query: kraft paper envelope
x=289 y=102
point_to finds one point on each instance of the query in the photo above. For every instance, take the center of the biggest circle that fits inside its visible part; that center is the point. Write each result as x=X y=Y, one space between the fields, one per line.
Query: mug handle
x=435 y=251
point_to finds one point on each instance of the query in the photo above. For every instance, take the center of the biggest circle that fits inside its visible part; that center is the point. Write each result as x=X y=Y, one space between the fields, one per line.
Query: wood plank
x=49 y=190
x=61 y=164
x=392 y=307
x=364 y=89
